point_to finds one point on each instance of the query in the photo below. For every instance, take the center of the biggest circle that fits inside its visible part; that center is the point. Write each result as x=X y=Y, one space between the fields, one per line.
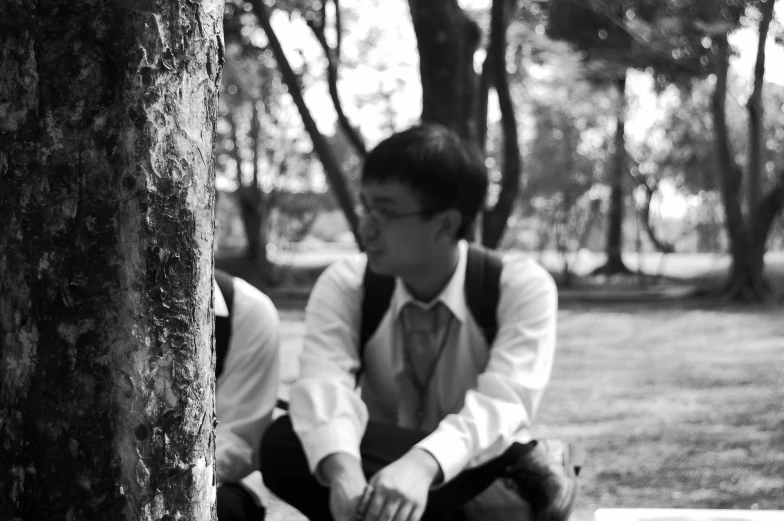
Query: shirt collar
x=453 y=294
x=218 y=302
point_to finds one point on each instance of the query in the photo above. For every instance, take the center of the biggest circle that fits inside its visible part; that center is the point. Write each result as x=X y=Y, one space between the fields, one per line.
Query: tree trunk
x=755 y=109
x=747 y=244
x=254 y=212
x=494 y=219
x=447 y=39
x=332 y=168
x=107 y=114
x=747 y=281
x=614 y=246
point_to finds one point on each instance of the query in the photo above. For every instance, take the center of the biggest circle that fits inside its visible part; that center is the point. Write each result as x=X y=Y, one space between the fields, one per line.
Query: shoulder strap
x=378 y=291
x=223 y=324
x=482 y=288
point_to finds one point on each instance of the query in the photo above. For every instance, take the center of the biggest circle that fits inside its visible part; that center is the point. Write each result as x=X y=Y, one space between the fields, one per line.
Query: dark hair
x=444 y=171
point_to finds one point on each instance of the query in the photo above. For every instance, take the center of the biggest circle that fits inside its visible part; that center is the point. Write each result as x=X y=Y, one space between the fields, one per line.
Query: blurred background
x=619 y=134
x=635 y=147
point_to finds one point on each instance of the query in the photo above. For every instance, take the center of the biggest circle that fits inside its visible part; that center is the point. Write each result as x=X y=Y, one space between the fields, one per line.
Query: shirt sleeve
x=248 y=387
x=326 y=410
x=501 y=407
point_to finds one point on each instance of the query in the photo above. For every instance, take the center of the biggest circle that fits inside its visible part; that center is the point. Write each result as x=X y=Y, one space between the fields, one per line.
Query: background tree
x=747 y=230
x=332 y=168
x=261 y=148
x=454 y=96
x=107 y=112
x=614 y=37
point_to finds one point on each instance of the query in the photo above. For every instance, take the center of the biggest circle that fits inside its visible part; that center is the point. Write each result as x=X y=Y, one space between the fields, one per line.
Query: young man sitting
x=418 y=412
x=247 y=345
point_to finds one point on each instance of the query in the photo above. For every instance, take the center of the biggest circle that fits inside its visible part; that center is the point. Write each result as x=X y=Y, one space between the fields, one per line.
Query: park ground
x=677 y=402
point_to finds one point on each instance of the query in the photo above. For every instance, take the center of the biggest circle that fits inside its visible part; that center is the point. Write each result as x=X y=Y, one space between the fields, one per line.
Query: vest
x=482 y=291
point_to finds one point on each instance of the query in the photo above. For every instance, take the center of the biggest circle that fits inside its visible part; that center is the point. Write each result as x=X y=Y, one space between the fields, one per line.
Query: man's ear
x=449 y=224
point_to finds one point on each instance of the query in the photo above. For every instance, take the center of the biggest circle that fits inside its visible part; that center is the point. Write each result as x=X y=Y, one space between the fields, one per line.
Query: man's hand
x=346 y=482
x=400 y=489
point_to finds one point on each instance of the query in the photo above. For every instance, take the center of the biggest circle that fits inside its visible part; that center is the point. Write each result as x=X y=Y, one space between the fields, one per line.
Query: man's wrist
x=428 y=463
x=340 y=466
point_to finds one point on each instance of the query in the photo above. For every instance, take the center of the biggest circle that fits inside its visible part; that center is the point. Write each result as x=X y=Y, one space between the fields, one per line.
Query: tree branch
x=332 y=80
x=332 y=168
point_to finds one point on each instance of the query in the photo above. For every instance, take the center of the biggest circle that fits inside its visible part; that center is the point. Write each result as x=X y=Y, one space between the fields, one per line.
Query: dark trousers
x=286 y=472
x=236 y=504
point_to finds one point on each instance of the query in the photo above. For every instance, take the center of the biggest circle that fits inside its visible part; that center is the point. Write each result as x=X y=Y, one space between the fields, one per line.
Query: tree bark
x=747 y=279
x=332 y=168
x=755 y=109
x=447 y=39
x=107 y=114
x=730 y=172
x=253 y=209
x=747 y=282
x=614 y=246
x=494 y=219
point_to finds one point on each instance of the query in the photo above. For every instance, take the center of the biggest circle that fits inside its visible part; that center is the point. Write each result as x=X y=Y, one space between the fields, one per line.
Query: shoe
x=547 y=483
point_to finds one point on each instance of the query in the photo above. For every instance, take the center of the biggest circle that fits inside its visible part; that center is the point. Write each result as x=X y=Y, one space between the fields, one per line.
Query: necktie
x=424 y=335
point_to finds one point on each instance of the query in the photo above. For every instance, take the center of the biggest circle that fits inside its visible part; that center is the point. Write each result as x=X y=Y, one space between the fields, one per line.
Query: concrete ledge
x=685 y=514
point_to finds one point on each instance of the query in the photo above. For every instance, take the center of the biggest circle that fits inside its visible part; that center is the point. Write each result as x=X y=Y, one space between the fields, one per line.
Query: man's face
x=399 y=234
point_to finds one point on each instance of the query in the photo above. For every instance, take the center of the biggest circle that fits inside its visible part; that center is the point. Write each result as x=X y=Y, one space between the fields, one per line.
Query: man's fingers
x=375 y=507
x=416 y=513
x=391 y=508
x=404 y=512
x=361 y=510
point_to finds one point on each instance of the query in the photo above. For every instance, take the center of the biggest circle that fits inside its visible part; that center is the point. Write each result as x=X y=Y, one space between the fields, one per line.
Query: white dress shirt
x=247 y=388
x=484 y=398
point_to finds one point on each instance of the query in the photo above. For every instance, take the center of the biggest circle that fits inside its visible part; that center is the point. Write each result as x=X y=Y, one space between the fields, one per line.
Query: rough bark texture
x=332 y=168
x=447 y=40
x=614 y=246
x=494 y=219
x=107 y=114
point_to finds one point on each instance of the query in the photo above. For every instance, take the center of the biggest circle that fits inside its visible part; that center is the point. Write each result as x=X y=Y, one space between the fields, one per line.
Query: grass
x=675 y=406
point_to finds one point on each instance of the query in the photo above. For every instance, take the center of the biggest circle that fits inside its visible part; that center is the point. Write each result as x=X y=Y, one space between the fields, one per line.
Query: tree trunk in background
x=332 y=169
x=748 y=237
x=494 y=219
x=614 y=246
x=253 y=209
x=755 y=109
x=447 y=40
x=107 y=114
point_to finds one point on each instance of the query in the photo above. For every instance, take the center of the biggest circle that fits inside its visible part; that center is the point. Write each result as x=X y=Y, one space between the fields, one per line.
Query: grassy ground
x=675 y=405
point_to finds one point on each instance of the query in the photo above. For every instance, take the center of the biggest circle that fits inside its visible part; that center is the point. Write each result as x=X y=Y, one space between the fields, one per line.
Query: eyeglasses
x=383 y=217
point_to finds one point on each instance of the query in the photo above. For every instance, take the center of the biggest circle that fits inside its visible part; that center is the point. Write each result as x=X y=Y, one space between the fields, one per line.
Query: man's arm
x=248 y=387
x=326 y=410
x=508 y=392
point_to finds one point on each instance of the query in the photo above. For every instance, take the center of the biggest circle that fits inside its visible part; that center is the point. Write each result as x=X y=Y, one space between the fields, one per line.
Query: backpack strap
x=223 y=324
x=482 y=288
x=375 y=302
